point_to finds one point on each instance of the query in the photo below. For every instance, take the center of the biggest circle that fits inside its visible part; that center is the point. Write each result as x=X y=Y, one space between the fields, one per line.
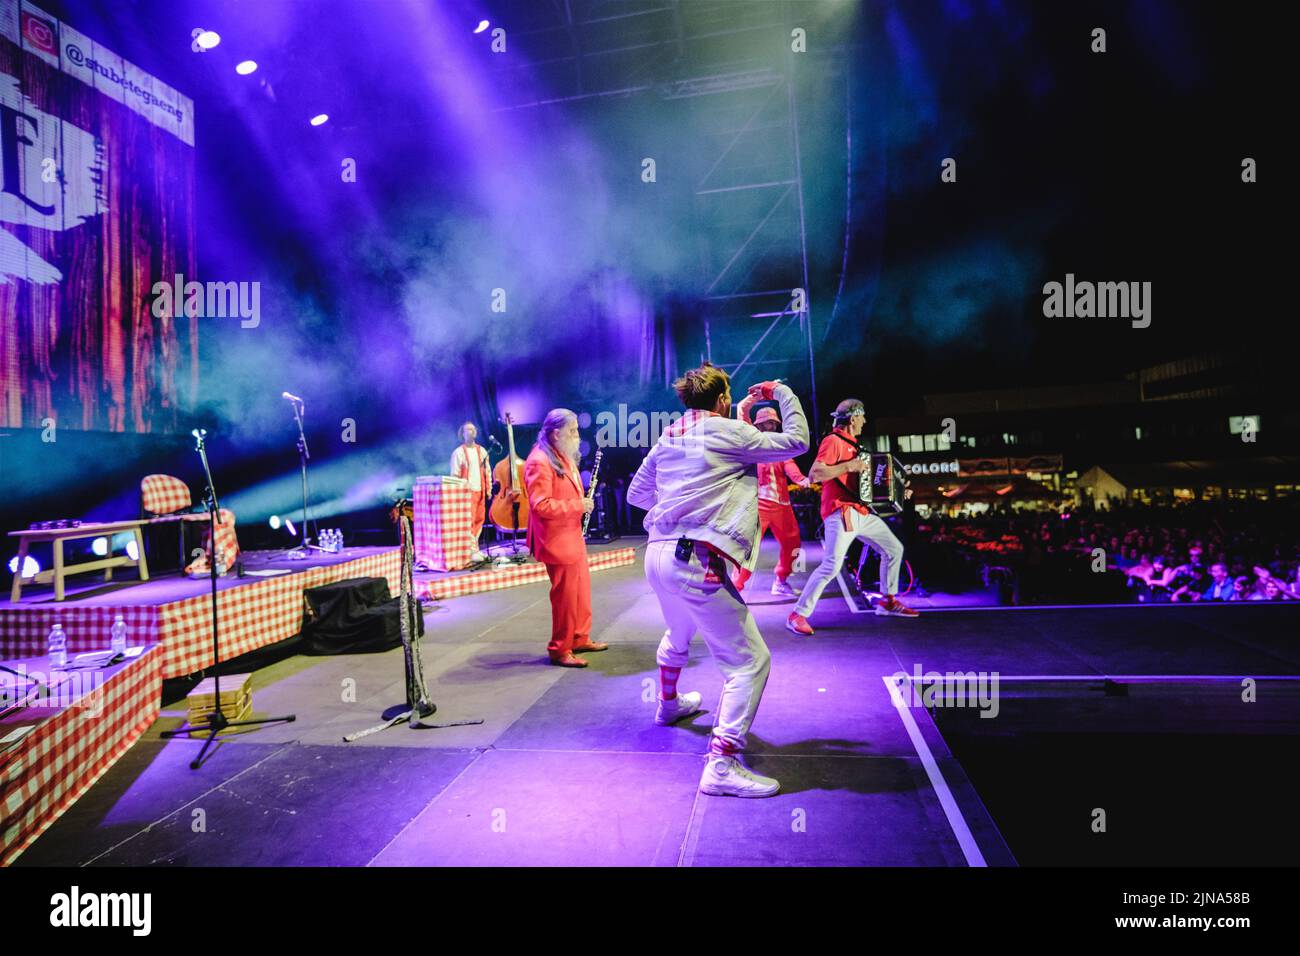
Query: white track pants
x=691 y=604
x=872 y=530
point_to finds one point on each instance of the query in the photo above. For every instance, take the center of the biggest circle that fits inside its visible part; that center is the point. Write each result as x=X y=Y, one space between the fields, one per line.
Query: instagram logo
x=39 y=33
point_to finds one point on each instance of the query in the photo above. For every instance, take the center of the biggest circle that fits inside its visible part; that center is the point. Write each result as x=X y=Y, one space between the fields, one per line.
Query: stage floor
x=567 y=768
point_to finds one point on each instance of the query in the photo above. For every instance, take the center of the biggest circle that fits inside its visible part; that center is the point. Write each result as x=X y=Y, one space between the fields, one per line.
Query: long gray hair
x=556 y=419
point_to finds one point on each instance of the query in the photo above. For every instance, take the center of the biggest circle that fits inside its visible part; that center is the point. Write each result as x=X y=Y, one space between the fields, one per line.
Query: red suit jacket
x=554 y=512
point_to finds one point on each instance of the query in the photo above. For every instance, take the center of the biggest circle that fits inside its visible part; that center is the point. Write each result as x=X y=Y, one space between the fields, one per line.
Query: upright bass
x=509 y=511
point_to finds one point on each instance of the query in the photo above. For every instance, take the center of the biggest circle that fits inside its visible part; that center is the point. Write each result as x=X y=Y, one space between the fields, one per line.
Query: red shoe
x=590 y=646
x=738 y=582
x=894 y=607
x=568 y=660
x=799 y=624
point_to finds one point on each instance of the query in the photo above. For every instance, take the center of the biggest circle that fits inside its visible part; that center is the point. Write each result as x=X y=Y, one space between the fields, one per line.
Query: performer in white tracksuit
x=699 y=485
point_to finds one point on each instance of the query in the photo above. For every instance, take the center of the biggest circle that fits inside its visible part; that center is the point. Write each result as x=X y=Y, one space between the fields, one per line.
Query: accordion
x=880 y=485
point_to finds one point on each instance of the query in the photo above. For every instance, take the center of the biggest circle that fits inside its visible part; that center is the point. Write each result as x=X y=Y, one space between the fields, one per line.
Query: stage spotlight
x=133 y=550
x=293 y=532
x=246 y=67
x=482 y=25
x=99 y=546
x=275 y=522
x=31 y=567
x=208 y=39
x=319 y=119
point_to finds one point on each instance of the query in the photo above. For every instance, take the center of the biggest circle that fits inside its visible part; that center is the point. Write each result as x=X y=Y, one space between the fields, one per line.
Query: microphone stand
x=218 y=721
x=302 y=552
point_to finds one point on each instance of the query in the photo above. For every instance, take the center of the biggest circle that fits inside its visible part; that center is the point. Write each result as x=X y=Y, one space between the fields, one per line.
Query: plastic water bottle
x=58 y=648
x=117 y=642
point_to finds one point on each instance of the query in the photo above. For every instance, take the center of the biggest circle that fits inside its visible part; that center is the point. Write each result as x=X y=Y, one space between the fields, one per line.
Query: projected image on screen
x=96 y=205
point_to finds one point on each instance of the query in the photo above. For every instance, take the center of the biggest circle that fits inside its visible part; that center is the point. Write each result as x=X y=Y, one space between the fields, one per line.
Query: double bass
x=509 y=512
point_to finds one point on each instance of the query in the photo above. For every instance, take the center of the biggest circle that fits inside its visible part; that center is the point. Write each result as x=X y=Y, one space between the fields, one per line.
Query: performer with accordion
x=853 y=484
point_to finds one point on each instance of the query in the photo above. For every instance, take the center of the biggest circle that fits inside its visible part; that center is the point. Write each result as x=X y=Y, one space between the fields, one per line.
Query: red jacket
x=554 y=512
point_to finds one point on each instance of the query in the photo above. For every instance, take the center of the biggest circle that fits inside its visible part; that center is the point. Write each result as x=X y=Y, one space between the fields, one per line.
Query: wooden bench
x=56 y=537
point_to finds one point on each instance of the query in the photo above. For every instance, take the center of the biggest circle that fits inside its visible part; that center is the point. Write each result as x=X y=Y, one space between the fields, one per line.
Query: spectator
x=1221 y=586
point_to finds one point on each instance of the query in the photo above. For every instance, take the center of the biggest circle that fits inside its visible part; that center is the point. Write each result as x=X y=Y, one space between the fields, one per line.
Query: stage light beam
x=246 y=67
x=31 y=567
x=208 y=39
x=319 y=119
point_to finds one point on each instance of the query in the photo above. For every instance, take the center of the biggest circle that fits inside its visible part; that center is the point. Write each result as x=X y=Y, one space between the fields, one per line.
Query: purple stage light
x=319 y=119
x=246 y=67
x=208 y=39
x=482 y=25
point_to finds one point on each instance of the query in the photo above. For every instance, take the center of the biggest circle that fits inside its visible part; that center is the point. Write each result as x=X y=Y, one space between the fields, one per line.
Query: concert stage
x=1099 y=708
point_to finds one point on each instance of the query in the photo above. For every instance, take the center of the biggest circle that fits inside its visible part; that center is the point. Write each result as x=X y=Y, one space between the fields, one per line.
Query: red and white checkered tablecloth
x=516 y=574
x=443 y=520
x=24 y=630
x=252 y=615
x=73 y=746
x=255 y=615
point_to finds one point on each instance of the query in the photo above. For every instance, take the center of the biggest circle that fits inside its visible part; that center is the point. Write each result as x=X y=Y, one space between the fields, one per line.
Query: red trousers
x=477 y=515
x=570 y=607
x=780 y=518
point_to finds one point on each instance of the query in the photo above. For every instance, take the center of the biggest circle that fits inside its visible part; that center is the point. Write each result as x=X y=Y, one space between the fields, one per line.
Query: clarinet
x=591 y=493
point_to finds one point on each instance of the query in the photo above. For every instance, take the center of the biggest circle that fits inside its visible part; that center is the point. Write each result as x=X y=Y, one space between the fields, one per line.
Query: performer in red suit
x=774 y=509
x=556 y=506
x=470 y=461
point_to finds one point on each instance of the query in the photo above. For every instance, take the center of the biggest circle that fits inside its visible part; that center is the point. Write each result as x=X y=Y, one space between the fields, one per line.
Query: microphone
x=199 y=432
x=291 y=397
x=494 y=442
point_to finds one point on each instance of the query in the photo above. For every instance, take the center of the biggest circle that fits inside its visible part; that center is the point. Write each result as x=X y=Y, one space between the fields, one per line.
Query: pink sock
x=668 y=681
x=719 y=747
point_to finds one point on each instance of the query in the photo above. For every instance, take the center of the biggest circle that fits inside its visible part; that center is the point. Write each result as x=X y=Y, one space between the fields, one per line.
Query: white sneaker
x=683 y=705
x=783 y=589
x=728 y=777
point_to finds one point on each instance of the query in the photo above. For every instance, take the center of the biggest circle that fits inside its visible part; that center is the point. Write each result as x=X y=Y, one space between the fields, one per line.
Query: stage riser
x=253 y=614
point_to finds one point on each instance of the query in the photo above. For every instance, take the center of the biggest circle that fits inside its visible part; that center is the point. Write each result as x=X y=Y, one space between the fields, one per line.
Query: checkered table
x=443 y=519
x=251 y=613
x=90 y=720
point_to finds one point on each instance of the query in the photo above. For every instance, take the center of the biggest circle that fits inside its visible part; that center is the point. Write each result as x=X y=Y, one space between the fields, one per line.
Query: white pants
x=872 y=530
x=690 y=604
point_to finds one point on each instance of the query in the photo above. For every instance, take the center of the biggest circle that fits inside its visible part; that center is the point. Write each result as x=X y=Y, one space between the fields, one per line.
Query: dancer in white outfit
x=699 y=485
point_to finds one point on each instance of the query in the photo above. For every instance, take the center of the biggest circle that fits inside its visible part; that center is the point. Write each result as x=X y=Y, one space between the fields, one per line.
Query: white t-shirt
x=471 y=464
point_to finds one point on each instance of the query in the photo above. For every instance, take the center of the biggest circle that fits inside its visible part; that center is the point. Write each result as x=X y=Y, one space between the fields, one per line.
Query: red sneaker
x=893 y=606
x=799 y=624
